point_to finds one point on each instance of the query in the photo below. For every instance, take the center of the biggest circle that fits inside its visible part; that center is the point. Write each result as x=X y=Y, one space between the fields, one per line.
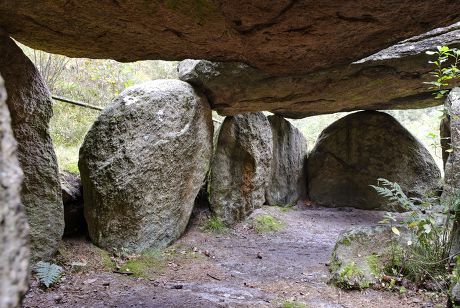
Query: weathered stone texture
x=14 y=245
x=390 y=79
x=240 y=167
x=451 y=187
x=142 y=164
x=361 y=255
x=353 y=152
x=452 y=165
x=278 y=37
x=30 y=106
x=72 y=198
x=288 y=180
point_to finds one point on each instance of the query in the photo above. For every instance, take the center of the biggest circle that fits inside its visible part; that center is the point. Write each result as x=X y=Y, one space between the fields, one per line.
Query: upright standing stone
x=14 y=246
x=288 y=180
x=142 y=164
x=30 y=106
x=451 y=188
x=452 y=165
x=240 y=167
x=353 y=152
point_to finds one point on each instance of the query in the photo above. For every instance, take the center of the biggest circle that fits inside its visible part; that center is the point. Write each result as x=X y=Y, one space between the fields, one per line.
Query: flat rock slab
x=279 y=37
x=390 y=79
x=30 y=105
x=14 y=252
x=142 y=164
x=240 y=167
x=355 y=151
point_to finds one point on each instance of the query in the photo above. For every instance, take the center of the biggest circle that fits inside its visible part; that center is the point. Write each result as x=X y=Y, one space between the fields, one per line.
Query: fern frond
x=393 y=192
x=48 y=273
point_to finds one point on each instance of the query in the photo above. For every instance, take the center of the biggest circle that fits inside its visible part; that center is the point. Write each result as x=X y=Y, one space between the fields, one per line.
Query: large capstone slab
x=142 y=164
x=353 y=152
x=14 y=252
x=390 y=79
x=240 y=167
x=279 y=37
x=288 y=179
x=30 y=106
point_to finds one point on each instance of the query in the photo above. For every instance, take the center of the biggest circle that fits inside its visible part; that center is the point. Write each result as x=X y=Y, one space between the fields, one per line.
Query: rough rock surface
x=390 y=79
x=279 y=37
x=452 y=165
x=451 y=187
x=72 y=197
x=353 y=152
x=142 y=164
x=444 y=133
x=240 y=167
x=14 y=252
x=288 y=180
x=361 y=254
x=30 y=106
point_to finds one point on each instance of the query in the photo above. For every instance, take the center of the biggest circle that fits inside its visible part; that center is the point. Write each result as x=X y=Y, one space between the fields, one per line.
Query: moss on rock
x=361 y=255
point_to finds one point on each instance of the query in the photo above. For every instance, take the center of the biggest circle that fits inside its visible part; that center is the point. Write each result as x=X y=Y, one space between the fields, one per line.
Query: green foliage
x=427 y=255
x=215 y=224
x=267 y=223
x=374 y=264
x=48 y=273
x=446 y=69
x=351 y=277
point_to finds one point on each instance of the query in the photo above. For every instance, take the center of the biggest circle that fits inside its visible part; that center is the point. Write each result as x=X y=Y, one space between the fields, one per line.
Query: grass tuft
x=215 y=224
x=293 y=304
x=267 y=223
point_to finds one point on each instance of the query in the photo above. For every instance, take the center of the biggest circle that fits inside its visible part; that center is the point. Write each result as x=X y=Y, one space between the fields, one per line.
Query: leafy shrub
x=48 y=273
x=428 y=254
x=446 y=68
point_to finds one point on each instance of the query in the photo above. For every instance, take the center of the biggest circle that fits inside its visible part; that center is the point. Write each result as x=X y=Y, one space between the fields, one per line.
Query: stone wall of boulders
x=147 y=156
x=151 y=151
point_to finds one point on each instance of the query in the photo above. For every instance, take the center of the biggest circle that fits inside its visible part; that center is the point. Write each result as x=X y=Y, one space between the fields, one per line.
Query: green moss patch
x=267 y=223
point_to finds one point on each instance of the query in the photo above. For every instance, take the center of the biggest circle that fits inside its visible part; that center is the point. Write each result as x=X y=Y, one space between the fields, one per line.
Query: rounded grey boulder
x=142 y=164
x=14 y=252
x=240 y=167
x=353 y=152
x=288 y=180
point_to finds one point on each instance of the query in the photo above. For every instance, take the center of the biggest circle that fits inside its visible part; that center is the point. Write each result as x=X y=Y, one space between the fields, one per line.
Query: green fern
x=394 y=193
x=48 y=273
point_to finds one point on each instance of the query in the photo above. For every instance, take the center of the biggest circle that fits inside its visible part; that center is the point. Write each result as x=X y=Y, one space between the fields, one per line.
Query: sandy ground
x=239 y=268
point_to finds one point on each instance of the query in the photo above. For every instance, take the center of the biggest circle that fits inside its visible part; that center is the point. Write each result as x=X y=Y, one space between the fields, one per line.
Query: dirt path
x=240 y=268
